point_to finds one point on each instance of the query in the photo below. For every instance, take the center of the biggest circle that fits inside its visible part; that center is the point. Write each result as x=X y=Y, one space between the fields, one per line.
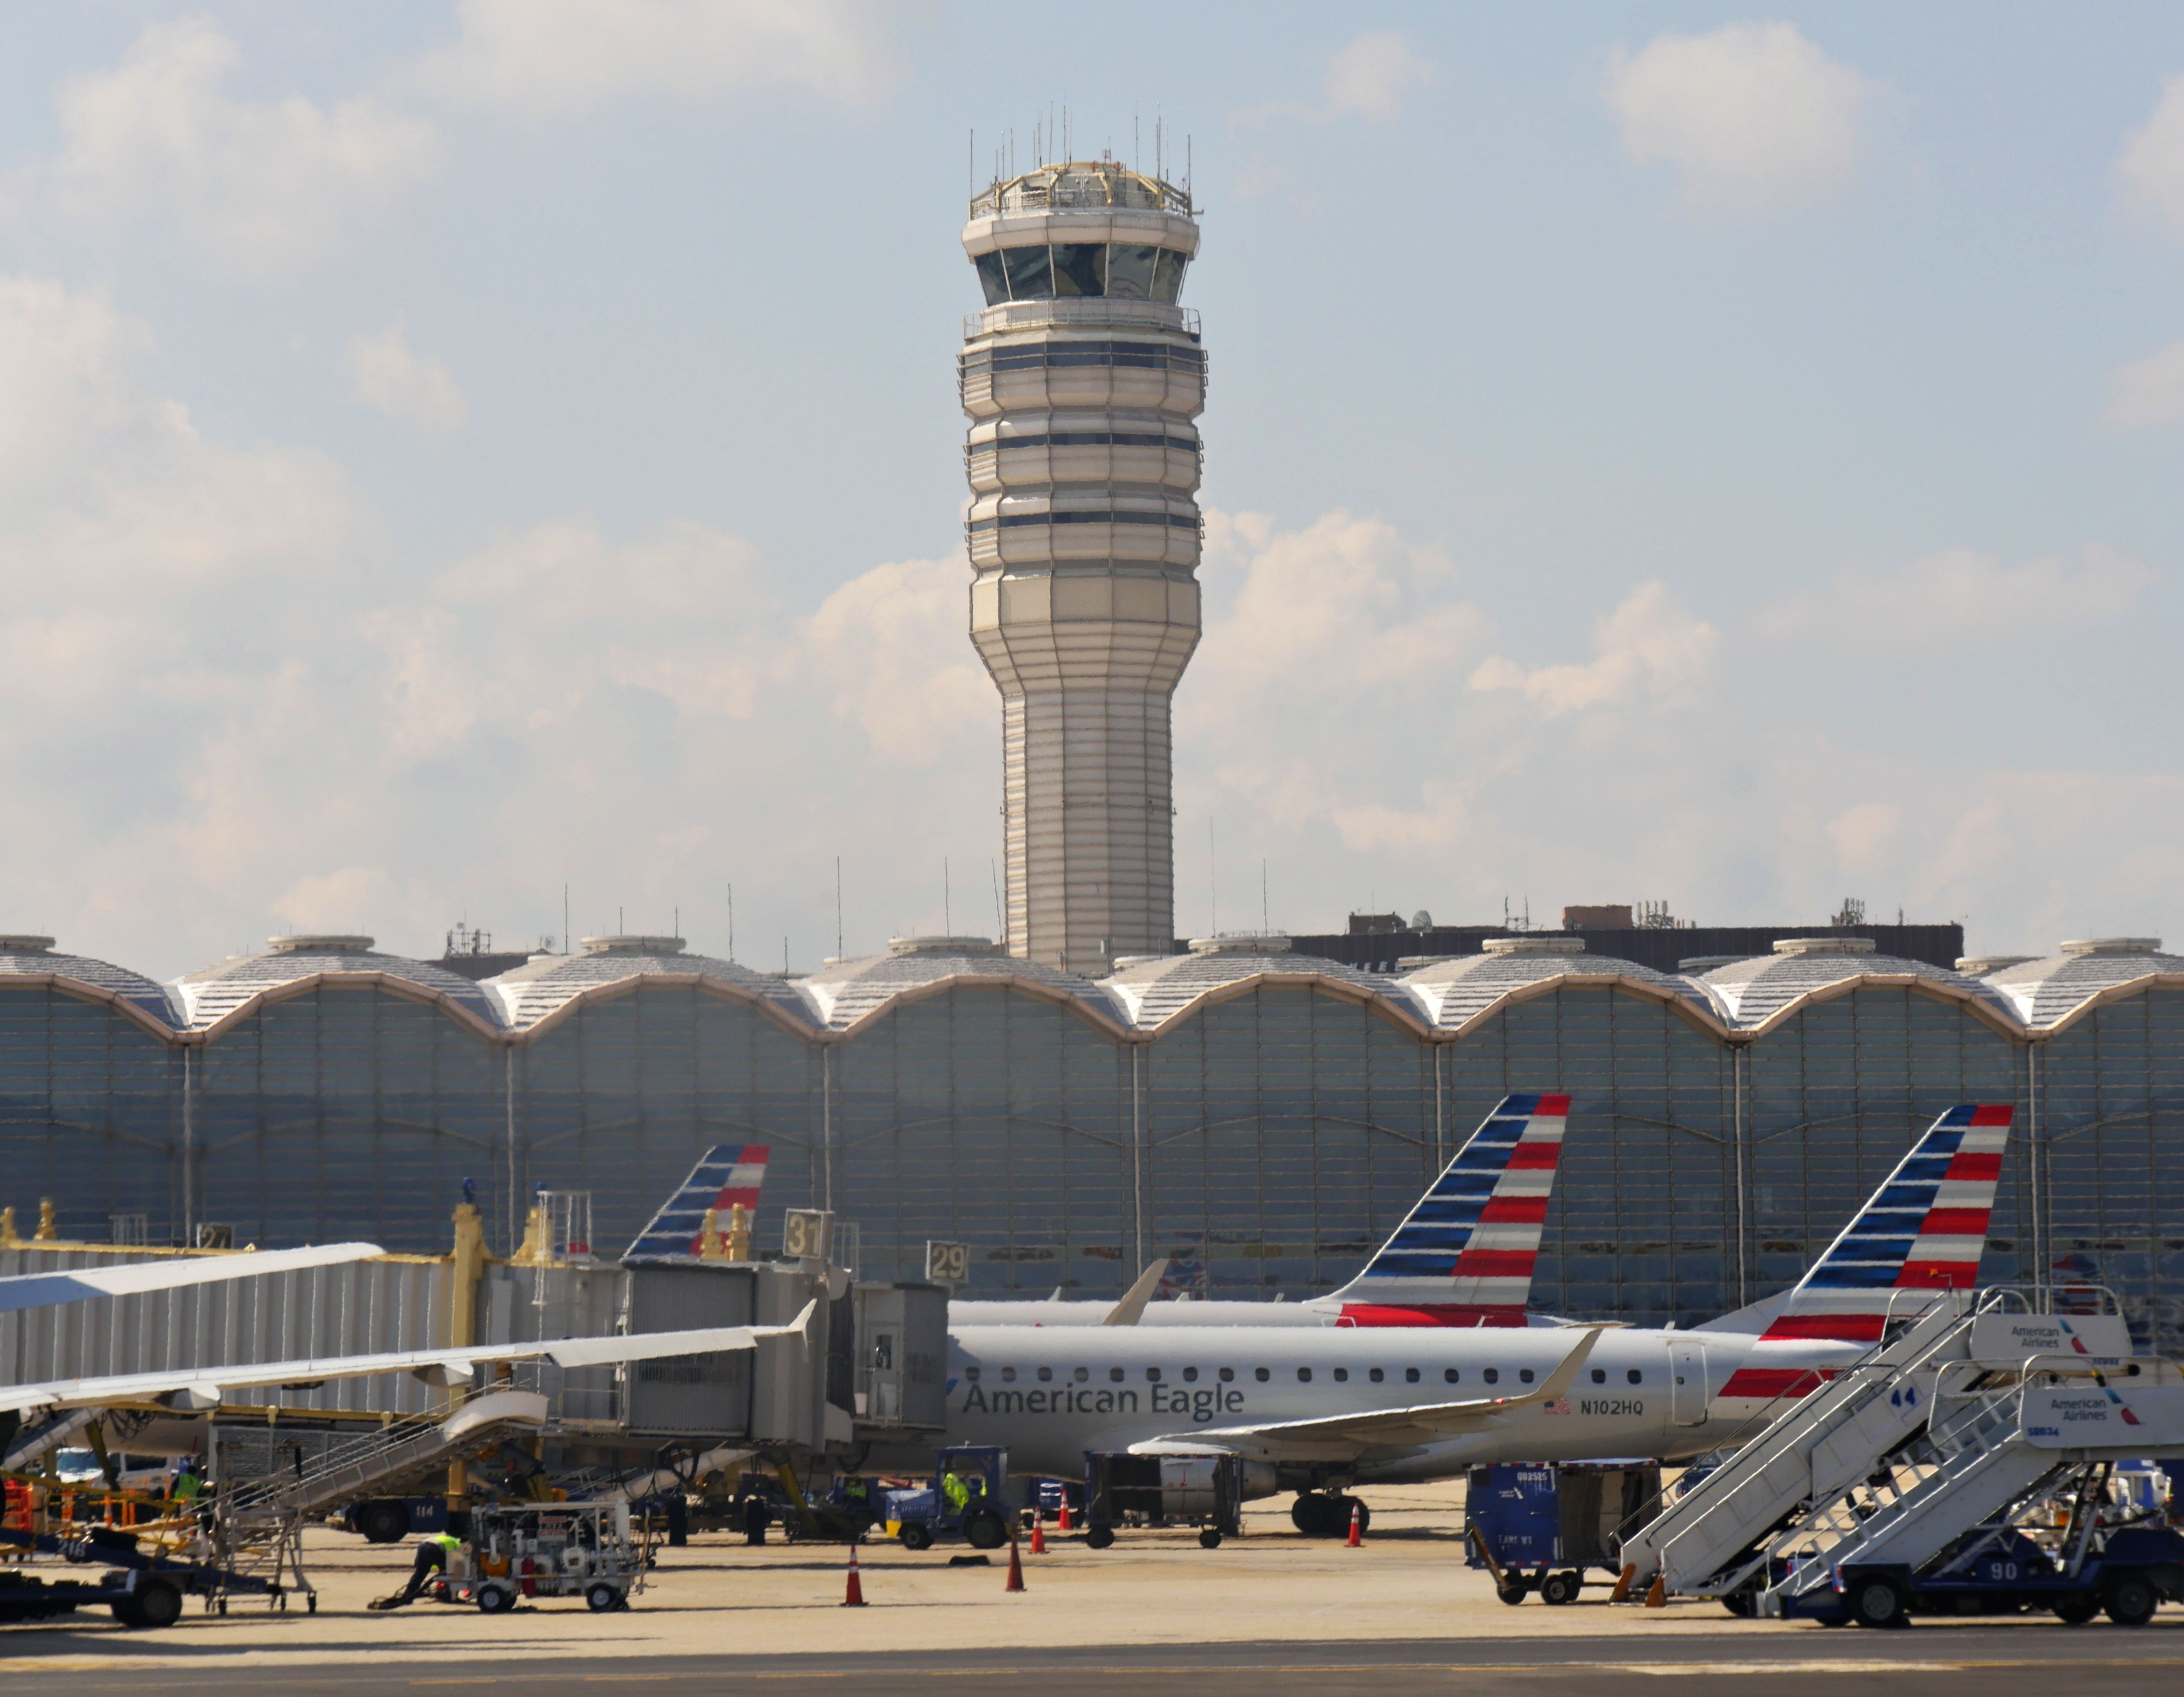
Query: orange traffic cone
x=1016 y=1567
x=855 y=1600
x=1062 y=1524
x=1357 y=1531
x=1038 y=1536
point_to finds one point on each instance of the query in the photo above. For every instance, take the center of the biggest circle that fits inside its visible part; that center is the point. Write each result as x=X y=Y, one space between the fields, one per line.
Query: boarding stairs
x=384 y=1462
x=256 y=1528
x=1823 y=1443
x=1970 y=1465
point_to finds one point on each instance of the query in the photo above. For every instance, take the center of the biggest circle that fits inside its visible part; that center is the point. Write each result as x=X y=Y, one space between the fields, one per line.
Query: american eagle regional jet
x=1317 y=1411
x=1464 y=1256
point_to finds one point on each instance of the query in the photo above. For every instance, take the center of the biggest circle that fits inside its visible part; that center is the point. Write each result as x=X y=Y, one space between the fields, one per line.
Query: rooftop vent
x=2114 y=945
x=940 y=945
x=630 y=945
x=1530 y=944
x=22 y=942
x=1823 y=945
x=1239 y=943
x=316 y=942
x=1979 y=965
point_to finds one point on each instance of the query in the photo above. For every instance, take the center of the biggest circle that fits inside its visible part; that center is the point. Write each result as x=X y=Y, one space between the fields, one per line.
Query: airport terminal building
x=1263 y=1117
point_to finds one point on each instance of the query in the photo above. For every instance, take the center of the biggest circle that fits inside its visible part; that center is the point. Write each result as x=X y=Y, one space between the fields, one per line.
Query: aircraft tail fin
x=1924 y=1229
x=726 y=1176
x=1464 y=1256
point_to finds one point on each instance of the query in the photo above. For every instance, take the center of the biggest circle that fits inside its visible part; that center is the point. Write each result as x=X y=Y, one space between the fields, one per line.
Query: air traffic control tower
x=1082 y=378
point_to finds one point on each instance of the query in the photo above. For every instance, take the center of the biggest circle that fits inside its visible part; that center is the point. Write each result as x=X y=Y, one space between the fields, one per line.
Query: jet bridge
x=1957 y=1422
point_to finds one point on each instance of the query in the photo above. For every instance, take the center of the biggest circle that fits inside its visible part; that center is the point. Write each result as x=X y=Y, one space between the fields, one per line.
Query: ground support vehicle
x=1538 y=1528
x=143 y=1588
x=1205 y=1491
x=553 y=1550
x=920 y=1518
x=2086 y=1567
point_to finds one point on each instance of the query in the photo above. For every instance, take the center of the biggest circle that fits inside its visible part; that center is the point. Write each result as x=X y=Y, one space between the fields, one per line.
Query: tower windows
x=1076 y=270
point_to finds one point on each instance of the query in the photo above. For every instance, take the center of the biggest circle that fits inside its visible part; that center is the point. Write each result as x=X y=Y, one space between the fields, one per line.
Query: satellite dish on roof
x=1421 y=920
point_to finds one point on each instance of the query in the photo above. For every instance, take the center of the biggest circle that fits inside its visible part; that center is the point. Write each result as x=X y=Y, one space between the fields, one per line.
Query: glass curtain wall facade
x=1265 y=1141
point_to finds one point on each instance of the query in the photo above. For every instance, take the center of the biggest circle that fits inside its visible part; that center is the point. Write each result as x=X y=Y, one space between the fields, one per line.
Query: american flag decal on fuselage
x=1924 y=1229
x=1464 y=1256
x=726 y=1176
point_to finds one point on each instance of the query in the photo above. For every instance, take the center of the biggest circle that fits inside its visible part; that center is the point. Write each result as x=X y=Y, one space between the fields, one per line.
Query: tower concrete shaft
x=1082 y=378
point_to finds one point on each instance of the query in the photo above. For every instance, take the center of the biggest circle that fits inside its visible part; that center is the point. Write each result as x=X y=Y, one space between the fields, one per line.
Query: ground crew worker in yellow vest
x=433 y=1555
x=955 y=1492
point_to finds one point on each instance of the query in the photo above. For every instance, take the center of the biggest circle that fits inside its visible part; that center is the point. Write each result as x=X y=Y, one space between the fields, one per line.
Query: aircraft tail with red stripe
x=726 y=1176
x=1924 y=1230
x=1464 y=1256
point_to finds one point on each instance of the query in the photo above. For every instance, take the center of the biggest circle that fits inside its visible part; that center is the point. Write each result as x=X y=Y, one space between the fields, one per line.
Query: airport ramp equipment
x=1726 y=1529
x=384 y=1462
x=1990 y=1453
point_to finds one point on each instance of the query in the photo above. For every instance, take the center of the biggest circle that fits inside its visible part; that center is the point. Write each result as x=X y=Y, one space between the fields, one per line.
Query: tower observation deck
x=1083 y=379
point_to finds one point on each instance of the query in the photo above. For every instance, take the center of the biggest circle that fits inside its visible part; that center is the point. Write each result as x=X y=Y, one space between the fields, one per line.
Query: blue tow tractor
x=1538 y=1528
x=967 y=1499
x=2113 y=1552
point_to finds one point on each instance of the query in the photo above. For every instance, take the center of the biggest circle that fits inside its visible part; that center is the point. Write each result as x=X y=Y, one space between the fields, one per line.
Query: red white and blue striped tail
x=1924 y=1230
x=1464 y=1256
x=726 y=1176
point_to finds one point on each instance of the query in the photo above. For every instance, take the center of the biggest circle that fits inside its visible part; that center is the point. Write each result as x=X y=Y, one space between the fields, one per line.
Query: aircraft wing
x=43 y=1290
x=204 y=1387
x=1339 y=1437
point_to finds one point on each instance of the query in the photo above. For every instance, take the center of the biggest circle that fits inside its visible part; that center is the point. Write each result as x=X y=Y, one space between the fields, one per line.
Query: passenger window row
x=1227 y=1375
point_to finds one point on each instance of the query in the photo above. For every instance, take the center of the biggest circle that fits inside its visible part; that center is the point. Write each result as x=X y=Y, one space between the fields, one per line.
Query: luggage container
x=1205 y=1491
x=1538 y=1528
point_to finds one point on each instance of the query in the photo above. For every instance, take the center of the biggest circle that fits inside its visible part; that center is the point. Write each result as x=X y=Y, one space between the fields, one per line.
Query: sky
x=452 y=454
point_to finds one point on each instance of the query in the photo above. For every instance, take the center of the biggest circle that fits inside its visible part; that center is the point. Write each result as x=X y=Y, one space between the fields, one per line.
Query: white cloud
x=552 y=58
x=1958 y=595
x=2152 y=165
x=392 y=377
x=261 y=187
x=1752 y=115
x=1863 y=833
x=889 y=646
x=111 y=501
x=1646 y=648
x=2149 y=391
x=1370 y=76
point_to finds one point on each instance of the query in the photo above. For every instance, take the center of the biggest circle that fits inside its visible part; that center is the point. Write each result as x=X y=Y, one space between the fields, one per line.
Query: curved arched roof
x=1757 y=992
x=1152 y=993
x=525 y=997
x=2046 y=993
x=845 y=993
x=31 y=959
x=291 y=964
x=1456 y=992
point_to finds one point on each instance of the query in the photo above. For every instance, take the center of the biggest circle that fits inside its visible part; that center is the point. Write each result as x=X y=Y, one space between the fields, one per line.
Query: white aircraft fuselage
x=1050 y=1394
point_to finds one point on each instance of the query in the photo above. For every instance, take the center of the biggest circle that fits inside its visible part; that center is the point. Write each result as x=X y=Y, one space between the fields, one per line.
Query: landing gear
x=1326 y=1514
x=1099 y=1537
x=1210 y=1538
